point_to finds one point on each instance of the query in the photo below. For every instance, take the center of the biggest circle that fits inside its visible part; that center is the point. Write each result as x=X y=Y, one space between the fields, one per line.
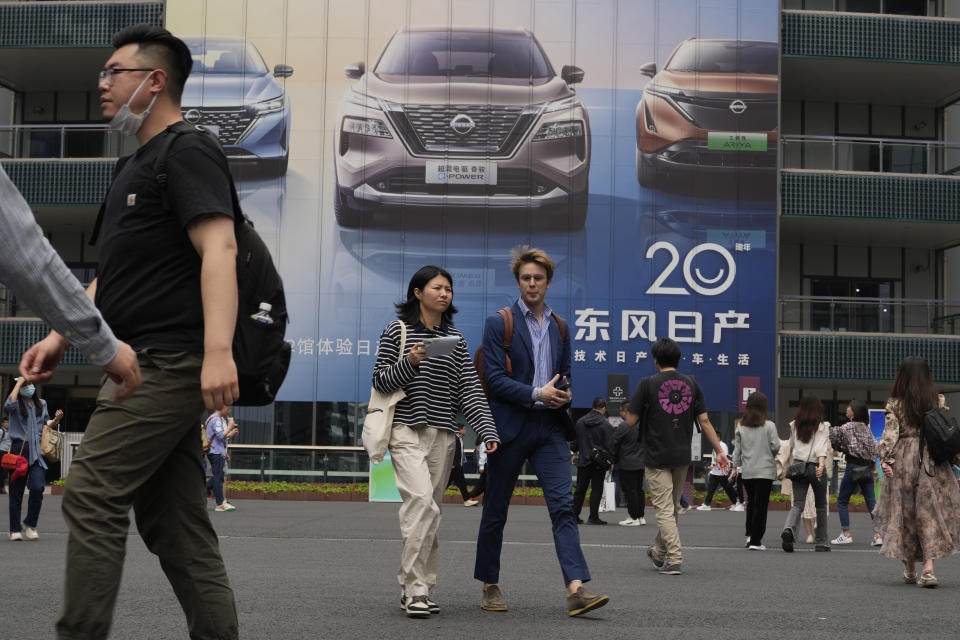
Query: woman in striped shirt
x=423 y=438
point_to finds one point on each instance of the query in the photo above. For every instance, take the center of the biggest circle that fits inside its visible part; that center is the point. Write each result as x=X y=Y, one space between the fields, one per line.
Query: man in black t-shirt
x=667 y=405
x=167 y=285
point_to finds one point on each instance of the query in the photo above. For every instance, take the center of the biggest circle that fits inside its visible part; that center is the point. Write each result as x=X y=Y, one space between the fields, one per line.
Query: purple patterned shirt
x=855 y=439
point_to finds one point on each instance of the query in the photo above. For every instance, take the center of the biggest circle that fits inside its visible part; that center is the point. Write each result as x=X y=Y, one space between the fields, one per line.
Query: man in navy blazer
x=529 y=408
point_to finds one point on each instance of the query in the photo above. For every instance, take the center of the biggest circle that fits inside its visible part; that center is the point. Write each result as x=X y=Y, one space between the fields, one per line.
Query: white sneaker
x=746 y=545
x=29 y=533
x=226 y=506
x=757 y=547
x=641 y=521
x=704 y=507
x=809 y=539
x=877 y=540
x=470 y=502
x=842 y=539
x=629 y=522
x=737 y=507
x=16 y=535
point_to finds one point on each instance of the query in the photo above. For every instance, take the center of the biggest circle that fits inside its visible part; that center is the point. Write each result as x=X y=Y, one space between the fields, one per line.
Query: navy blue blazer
x=510 y=401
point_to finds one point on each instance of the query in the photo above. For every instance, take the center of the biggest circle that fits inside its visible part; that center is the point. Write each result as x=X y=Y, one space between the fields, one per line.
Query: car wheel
x=346 y=215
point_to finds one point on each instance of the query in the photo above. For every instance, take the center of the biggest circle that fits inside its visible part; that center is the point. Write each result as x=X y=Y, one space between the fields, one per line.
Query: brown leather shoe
x=492 y=599
x=583 y=601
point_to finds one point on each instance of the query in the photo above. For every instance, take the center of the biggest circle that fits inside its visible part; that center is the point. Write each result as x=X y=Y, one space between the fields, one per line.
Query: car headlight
x=570 y=102
x=669 y=94
x=269 y=106
x=557 y=130
x=374 y=127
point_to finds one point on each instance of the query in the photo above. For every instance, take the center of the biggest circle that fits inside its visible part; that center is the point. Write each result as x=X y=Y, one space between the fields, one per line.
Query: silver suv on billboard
x=462 y=118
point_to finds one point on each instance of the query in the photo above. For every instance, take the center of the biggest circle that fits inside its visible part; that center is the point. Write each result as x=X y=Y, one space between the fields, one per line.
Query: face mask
x=127 y=122
x=28 y=391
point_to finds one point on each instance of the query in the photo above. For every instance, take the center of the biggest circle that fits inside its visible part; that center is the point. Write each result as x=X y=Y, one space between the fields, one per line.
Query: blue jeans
x=35 y=481
x=216 y=476
x=847 y=488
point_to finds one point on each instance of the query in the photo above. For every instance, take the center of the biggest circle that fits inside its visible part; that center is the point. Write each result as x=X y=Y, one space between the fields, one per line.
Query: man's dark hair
x=599 y=403
x=161 y=50
x=666 y=352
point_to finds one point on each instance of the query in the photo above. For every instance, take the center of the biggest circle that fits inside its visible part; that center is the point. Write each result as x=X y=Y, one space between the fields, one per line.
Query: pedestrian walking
x=716 y=477
x=630 y=462
x=529 y=396
x=4 y=448
x=27 y=413
x=424 y=434
x=667 y=406
x=457 y=478
x=594 y=449
x=855 y=440
x=166 y=284
x=918 y=515
x=756 y=446
x=810 y=443
x=219 y=430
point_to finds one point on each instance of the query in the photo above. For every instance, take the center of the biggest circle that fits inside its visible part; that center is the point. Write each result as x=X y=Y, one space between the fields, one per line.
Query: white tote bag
x=378 y=422
x=609 y=501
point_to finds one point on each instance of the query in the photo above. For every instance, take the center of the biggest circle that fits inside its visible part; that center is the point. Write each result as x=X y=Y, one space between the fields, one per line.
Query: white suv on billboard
x=462 y=118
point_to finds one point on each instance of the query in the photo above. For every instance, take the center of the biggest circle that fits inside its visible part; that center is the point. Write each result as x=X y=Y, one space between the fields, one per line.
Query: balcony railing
x=60 y=141
x=71 y=24
x=879 y=155
x=870 y=315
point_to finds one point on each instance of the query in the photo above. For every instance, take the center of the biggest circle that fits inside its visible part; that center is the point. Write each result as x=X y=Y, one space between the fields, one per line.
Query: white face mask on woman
x=127 y=122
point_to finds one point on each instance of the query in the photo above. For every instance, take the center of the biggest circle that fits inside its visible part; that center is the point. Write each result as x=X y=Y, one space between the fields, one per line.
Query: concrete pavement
x=327 y=570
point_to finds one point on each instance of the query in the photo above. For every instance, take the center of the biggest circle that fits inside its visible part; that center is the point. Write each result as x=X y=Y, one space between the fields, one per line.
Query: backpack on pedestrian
x=507 y=314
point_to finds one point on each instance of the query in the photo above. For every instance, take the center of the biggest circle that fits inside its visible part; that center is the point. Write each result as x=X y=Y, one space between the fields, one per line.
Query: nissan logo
x=462 y=124
x=192 y=116
x=738 y=106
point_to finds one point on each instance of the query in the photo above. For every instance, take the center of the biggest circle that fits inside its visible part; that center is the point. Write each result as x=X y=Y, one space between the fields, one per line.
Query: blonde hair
x=523 y=254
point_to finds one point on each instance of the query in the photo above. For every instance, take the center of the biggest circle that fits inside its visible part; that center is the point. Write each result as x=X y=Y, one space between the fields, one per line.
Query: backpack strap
x=562 y=326
x=507 y=314
x=103 y=205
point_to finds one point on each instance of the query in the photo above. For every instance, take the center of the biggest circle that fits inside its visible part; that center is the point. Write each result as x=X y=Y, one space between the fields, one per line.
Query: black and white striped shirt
x=436 y=388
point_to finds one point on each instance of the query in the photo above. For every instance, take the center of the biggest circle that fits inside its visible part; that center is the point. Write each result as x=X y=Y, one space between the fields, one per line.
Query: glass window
x=725 y=56
x=293 y=423
x=451 y=53
x=337 y=424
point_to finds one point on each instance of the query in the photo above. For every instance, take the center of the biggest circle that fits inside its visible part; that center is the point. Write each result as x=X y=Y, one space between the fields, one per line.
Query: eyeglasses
x=107 y=75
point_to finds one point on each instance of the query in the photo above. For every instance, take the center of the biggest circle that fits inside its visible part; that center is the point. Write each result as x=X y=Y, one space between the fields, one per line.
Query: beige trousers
x=665 y=486
x=422 y=457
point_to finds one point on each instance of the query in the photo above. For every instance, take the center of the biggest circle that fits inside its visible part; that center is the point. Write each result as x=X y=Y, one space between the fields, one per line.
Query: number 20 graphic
x=730 y=272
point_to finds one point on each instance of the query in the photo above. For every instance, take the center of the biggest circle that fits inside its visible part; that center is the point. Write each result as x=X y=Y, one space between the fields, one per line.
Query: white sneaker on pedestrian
x=15 y=535
x=641 y=520
x=704 y=507
x=629 y=522
x=757 y=547
x=682 y=510
x=746 y=545
x=809 y=539
x=226 y=506
x=470 y=502
x=737 y=507
x=842 y=539
x=29 y=533
x=877 y=540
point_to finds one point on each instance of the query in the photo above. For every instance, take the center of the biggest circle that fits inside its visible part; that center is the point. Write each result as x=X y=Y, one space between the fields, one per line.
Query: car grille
x=715 y=115
x=412 y=180
x=715 y=158
x=497 y=129
x=233 y=123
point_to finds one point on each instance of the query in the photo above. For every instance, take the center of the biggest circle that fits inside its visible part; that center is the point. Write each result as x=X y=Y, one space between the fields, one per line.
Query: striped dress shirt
x=542 y=350
x=436 y=388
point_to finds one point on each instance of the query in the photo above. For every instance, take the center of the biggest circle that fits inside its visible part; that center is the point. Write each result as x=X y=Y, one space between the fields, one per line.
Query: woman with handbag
x=27 y=415
x=918 y=515
x=423 y=437
x=810 y=447
x=756 y=445
x=859 y=448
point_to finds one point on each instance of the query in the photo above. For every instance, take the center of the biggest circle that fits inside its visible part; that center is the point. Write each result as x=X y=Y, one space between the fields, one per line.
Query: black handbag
x=804 y=469
x=601 y=456
x=861 y=474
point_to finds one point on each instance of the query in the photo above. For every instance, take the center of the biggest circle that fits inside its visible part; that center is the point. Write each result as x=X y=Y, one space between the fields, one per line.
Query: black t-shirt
x=668 y=404
x=148 y=280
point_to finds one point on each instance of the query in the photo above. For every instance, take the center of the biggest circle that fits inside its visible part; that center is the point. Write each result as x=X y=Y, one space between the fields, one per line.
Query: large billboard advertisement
x=633 y=140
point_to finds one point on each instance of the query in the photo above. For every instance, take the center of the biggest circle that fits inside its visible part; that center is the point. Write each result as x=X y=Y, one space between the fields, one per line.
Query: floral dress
x=918 y=516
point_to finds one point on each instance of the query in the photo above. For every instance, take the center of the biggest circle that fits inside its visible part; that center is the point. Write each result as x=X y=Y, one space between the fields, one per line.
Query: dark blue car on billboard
x=232 y=92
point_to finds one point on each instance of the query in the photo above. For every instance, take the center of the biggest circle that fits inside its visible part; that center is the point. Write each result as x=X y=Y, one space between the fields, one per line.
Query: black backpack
x=941 y=432
x=260 y=352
